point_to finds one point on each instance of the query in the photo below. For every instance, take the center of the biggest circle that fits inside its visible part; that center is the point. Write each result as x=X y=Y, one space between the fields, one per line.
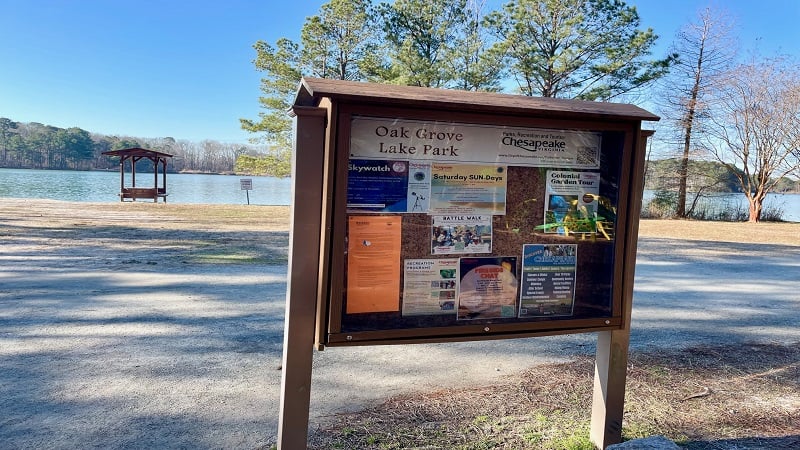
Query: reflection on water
x=82 y=186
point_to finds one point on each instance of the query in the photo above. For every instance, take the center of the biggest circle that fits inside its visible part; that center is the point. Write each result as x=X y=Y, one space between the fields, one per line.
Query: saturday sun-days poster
x=430 y=286
x=468 y=189
x=373 y=263
x=488 y=288
x=548 y=280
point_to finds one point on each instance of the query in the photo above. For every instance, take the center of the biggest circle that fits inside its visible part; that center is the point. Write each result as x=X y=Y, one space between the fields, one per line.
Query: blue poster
x=548 y=280
x=377 y=186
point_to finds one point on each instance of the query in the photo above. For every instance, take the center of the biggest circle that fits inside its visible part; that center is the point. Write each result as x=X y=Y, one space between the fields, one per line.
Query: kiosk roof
x=311 y=90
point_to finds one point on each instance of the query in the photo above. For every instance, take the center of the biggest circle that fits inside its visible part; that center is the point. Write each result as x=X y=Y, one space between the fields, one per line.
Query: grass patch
x=227 y=255
x=743 y=397
x=227 y=214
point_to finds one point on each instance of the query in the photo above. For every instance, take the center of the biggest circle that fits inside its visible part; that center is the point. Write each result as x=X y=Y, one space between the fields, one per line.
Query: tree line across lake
x=703 y=177
x=37 y=146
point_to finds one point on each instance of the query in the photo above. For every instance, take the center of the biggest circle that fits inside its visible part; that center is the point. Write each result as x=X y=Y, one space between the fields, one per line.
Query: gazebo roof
x=137 y=151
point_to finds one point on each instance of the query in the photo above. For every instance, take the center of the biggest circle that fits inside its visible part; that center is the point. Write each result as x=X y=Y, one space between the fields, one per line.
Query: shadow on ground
x=119 y=337
x=774 y=443
x=132 y=337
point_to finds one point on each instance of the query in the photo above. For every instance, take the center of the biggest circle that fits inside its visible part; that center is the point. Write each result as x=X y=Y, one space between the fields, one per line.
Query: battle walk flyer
x=461 y=234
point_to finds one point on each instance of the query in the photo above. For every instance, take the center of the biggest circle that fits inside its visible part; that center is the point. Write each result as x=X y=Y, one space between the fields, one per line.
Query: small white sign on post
x=247 y=186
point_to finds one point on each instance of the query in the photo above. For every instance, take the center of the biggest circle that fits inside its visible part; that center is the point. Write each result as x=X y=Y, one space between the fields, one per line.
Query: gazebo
x=134 y=155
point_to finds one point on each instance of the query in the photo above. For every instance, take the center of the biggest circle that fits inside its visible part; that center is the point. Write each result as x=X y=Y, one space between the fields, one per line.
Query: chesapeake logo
x=535 y=142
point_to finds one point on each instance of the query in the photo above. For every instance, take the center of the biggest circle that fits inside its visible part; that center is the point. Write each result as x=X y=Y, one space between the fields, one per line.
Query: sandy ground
x=161 y=326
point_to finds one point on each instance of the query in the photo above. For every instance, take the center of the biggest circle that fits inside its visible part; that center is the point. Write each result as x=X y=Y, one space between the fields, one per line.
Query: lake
x=788 y=203
x=78 y=186
x=96 y=186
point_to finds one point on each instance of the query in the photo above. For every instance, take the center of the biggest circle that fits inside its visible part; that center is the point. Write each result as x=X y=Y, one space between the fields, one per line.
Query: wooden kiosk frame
x=526 y=145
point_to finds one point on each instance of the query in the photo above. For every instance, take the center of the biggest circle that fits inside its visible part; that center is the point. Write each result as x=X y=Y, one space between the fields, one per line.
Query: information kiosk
x=429 y=215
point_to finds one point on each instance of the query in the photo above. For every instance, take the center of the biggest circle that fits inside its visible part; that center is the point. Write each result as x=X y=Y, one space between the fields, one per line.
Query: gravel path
x=143 y=343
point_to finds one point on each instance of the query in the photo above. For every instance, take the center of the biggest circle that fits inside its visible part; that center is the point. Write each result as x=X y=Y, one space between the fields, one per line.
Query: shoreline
x=277 y=218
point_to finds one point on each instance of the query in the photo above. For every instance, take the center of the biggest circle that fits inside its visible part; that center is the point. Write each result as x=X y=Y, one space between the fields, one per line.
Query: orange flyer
x=373 y=264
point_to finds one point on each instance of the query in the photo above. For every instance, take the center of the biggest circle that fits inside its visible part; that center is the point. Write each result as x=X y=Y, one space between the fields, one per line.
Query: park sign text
x=378 y=138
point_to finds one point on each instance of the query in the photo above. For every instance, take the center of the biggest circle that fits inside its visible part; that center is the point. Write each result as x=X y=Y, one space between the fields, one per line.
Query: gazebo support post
x=121 y=178
x=155 y=178
x=164 y=175
x=133 y=172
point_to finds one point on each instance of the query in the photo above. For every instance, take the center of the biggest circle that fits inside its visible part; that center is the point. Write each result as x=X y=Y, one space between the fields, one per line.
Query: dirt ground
x=736 y=232
x=143 y=325
x=124 y=326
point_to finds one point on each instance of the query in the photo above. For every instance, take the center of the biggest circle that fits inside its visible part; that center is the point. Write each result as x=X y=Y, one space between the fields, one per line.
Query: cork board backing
x=525 y=208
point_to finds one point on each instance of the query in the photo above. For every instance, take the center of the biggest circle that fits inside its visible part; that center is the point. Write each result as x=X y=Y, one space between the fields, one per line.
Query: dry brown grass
x=276 y=218
x=37 y=212
x=173 y=234
x=726 y=397
x=784 y=233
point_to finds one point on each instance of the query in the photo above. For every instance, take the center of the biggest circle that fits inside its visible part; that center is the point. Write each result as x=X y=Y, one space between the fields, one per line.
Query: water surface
x=100 y=186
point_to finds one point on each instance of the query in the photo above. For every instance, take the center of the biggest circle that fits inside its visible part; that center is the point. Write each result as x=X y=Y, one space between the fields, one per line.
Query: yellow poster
x=467 y=189
x=373 y=264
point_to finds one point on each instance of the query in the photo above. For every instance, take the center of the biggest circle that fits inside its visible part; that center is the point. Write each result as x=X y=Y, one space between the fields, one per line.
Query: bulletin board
x=431 y=215
x=468 y=228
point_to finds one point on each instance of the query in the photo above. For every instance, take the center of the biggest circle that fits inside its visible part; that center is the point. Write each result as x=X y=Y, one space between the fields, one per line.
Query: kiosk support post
x=611 y=361
x=301 y=289
x=608 y=399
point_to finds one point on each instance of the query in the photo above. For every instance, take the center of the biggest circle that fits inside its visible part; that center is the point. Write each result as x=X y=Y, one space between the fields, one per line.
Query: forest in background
x=37 y=146
x=34 y=145
x=703 y=177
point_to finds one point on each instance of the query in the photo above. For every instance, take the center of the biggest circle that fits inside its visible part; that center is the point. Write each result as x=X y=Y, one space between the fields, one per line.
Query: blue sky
x=180 y=68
